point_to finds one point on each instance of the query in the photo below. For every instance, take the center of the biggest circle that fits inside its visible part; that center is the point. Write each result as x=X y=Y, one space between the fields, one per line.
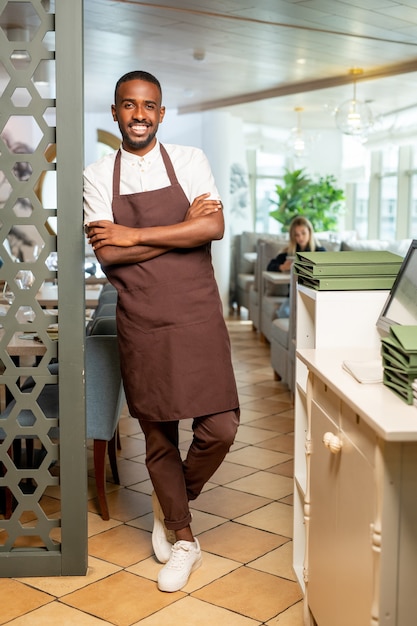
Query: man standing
x=151 y=213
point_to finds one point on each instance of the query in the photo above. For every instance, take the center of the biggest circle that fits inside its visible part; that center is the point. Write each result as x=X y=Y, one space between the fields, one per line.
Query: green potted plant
x=318 y=200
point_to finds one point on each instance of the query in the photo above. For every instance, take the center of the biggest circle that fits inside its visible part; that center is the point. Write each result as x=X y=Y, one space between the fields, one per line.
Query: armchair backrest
x=102 y=326
x=104 y=389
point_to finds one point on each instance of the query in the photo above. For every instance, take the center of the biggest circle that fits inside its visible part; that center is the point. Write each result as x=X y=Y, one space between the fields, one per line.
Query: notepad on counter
x=365 y=371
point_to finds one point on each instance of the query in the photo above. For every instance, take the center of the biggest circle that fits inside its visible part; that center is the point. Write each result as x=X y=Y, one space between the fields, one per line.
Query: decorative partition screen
x=42 y=414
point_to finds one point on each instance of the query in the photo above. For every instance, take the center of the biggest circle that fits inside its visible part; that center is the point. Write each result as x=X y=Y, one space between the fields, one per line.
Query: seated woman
x=302 y=239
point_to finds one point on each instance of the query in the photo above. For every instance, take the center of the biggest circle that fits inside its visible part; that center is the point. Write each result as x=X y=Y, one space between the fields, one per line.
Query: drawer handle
x=333 y=442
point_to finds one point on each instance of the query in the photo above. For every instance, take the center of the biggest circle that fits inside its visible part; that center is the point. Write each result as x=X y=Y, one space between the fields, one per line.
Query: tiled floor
x=243 y=520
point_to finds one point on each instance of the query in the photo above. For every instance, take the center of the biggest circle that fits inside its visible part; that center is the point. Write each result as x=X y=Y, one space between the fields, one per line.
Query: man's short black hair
x=137 y=75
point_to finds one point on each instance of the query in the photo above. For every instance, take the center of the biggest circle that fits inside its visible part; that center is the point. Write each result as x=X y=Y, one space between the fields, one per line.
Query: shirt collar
x=148 y=158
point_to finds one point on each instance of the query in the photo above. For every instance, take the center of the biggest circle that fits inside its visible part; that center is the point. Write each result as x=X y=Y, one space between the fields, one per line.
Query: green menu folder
x=402 y=342
x=346 y=283
x=407 y=336
x=349 y=263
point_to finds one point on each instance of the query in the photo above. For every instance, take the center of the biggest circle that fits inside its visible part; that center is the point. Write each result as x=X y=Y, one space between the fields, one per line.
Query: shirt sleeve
x=97 y=198
x=274 y=264
x=202 y=180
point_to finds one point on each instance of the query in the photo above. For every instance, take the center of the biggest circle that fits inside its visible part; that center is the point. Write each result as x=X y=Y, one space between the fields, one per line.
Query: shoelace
x=180 y=551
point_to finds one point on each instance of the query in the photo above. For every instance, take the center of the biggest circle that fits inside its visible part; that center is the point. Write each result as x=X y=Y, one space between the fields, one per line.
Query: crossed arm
x=115 y=244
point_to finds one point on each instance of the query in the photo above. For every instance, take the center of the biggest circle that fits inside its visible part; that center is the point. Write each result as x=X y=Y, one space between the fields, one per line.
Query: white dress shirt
x=146 y=173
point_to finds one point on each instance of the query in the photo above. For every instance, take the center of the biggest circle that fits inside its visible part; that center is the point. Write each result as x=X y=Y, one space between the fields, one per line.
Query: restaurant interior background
x=258 y=86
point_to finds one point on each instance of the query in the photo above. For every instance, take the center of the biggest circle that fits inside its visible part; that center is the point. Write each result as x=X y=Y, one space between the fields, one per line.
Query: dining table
x=47 y=295
x=24 y=344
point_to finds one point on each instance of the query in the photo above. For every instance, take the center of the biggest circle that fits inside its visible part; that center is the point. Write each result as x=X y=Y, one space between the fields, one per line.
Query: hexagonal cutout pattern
x=24 y=243
x=16 y=13
x=33 y=129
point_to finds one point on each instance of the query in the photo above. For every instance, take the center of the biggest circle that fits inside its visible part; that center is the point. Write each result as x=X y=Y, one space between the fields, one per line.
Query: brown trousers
x=176 y=481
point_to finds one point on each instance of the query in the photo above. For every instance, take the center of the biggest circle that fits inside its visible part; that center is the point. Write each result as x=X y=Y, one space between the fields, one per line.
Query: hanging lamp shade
x=354 y=117
x=297 y=143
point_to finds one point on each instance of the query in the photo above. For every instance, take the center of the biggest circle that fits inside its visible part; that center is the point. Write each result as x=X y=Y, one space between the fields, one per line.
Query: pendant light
x=297 y=141
x=354 y=117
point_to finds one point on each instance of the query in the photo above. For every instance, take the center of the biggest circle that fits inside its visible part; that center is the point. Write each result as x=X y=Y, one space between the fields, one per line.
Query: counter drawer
x=360 y=434
x=326 y=399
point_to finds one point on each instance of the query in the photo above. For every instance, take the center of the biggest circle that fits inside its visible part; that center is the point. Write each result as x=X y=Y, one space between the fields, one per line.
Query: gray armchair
x=283 y=339
x=105 y=400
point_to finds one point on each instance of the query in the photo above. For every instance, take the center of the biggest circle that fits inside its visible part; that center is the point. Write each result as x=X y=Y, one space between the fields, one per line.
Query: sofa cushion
x=279 y=331
x=247 y=244
x=364 y=244
x=400 y=247
x=244 y=281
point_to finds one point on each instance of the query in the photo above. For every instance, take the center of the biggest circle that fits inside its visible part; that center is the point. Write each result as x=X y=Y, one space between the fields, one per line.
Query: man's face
x=138 y=112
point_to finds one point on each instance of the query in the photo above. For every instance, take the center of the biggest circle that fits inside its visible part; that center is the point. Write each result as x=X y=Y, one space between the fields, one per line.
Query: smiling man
x=151 y=213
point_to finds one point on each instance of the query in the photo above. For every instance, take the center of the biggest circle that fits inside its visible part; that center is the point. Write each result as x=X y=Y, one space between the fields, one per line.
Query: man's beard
x=140 y=144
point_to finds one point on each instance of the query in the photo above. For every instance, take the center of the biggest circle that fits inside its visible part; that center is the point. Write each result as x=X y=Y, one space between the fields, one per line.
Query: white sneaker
x=162 y=538
x=185 y=559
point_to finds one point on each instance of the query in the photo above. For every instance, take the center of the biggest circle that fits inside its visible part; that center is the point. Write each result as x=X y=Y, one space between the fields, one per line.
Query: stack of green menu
x=338 y=271
x=399 y=360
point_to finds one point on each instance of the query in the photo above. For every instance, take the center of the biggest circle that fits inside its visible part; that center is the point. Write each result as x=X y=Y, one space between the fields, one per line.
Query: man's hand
x=203 y=206
x=106 y=233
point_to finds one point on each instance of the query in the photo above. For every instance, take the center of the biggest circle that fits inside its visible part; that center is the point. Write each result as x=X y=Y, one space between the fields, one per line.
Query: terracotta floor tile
x=264 y=484
x=131 y=447
x=255 y=594
x=277 y=562
x=122 y=599
x=251 y=434
x=62 y=585
x=129 y=426
x=131 y=472
x=274 y=518
x=110 y=486
x=259 y=391
x=97 y=525
x=144 y=486
x=249 y=376
x=228 y=472
x=253 y=456
x=248 y=416
x=278 y=423
x=269 y=406
x=291 y=617
x=202 y=614
x=284 y=469
x=227 y=502
x=238 y=542
x=18 y=599
x=56 y=614
x=124 y=504
x=123 y=545
x=281 y=443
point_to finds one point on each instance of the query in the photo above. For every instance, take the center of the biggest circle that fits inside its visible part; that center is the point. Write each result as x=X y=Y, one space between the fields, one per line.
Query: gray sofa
x=264 y=298
x=242 y=270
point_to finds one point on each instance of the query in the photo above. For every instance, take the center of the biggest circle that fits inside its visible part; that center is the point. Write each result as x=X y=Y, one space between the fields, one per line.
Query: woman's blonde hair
x=300 y=220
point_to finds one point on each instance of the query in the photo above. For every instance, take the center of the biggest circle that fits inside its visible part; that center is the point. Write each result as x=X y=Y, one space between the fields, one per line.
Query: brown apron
x=174 y=345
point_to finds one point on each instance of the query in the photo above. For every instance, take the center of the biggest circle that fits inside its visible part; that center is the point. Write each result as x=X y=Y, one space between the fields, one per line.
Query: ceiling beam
x=288 y=89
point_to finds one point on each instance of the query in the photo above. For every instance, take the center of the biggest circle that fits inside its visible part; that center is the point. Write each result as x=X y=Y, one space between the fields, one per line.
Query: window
x=269 y=172
x=389 y=191
x=360 y=218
